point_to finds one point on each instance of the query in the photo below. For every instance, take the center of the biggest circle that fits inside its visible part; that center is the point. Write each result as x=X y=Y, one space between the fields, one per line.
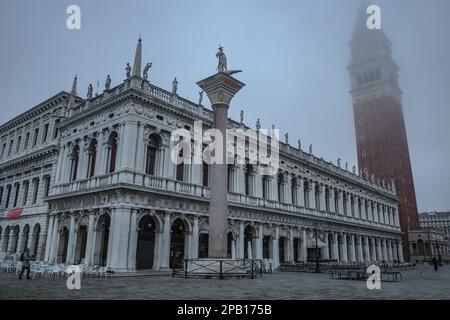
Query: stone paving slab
x=422 y=283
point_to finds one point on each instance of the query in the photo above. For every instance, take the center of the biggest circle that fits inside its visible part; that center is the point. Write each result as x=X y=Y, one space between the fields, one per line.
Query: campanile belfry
x=381 y=138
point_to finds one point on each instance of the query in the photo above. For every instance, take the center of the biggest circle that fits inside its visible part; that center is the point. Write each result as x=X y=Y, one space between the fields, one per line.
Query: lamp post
x=316 y=231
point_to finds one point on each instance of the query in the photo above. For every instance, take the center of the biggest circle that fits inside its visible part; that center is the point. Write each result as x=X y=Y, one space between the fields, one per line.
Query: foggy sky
x=294 y=55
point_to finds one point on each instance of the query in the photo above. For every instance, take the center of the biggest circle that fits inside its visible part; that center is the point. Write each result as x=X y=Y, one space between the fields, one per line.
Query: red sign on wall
x=14 y=214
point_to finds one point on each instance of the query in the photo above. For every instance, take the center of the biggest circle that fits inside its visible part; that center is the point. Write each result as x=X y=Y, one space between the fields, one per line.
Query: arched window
x=112 y=152
x=92 y=155
x=248 y=179
x=74 y=158
x=154 y=143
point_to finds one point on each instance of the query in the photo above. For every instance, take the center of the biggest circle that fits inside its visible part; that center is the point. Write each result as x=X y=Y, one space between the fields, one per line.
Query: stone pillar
x=300 y=193
x=55 y=239
x=220 y=89
x=194 y=252
x=344 y=248
x=322 y=204
x=291 y=246
x=312 y=194
x=276 y=247
x=120 y=222
x=360 y=250
x=133 y=243
x=378 y=255
x=332 y=200
x=353 y=248
x=259 y=243
x=304 y=250
x=341 y=201
x=385 y=251
x=90 y=240
x=71 y=241
x=48 y=242
x=368 y=258
x=241 y=244
x=335 y=247
x=165 y=242
x=326 y=251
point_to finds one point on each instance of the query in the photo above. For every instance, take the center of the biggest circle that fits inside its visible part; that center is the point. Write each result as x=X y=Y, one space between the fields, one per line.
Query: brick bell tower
x=381 y=139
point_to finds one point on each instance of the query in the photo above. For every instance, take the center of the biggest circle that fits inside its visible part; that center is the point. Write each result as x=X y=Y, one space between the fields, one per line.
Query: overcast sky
x=294 y=56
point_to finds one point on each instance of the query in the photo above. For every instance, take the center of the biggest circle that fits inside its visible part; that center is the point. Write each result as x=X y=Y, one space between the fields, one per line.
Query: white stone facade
x=117 y=199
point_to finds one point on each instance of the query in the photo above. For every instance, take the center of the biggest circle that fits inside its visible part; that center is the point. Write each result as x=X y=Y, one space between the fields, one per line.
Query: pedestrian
x=435 y=263
x=25 y=258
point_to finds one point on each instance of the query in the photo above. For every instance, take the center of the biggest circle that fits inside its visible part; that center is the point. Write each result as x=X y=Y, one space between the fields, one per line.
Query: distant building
x=381 y=138
x=436 y=220
x=426 y=243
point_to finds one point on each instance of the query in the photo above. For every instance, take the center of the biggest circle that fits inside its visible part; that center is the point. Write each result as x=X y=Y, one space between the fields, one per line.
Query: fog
x=294 y=55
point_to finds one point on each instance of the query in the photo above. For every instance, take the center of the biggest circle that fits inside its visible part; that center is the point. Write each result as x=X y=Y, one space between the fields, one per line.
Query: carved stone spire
x=74 y=86
x=138 y=59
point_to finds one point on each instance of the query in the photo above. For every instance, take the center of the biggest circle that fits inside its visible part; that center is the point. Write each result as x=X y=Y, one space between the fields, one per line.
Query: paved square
x=422 y=283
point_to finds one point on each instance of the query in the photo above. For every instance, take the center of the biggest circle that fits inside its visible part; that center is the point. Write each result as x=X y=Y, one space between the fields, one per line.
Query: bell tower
x=381 y=138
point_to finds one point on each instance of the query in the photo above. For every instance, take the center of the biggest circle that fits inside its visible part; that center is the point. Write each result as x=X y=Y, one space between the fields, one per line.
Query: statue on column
x=299 y=144
x=128 y=70
x=222 y=66
x=258 y=125
x=310 y=149
x=174 y=86
x=147 y=67
x=108 y=82
x=286 y=138
x=90 y=90
x=242 y=116
x=200 y=97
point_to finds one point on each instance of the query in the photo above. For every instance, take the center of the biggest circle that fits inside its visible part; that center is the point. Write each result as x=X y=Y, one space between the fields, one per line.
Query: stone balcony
x=198 y=192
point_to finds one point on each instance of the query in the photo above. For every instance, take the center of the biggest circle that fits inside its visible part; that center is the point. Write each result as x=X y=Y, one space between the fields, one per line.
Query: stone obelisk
x=220 y=89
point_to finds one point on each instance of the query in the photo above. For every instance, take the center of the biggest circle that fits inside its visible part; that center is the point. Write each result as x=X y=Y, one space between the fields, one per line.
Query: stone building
x=436 y=220
x=91 y=180
x=428 y=243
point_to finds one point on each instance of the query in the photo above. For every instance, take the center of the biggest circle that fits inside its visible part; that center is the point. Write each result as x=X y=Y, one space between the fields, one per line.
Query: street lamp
x=316 y=231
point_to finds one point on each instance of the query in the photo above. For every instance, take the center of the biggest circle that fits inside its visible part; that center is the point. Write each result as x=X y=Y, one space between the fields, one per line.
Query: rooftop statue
x=222 y=65
x=147 y=67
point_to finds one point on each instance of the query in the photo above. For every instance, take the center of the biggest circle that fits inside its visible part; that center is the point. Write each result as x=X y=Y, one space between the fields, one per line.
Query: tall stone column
x=241 y=243
x=71 y=241
x=304 y=250
x=259 y=243
x=55 y=238
x=120 y=222
x=276 y=247
x=332 y=200
x=360 y=249
x=220 y=89
x=194 y=252
x=48 y=241
x=335 y=247
x=353 y=248
x=322 y=198
x=90 y=240
x=301 y=193
x=326 y=251
x=368 y=258
x=165 y=252
x=344 y=248
x=291 y=246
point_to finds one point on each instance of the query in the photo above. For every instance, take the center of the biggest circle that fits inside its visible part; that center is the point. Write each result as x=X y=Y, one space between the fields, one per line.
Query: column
x=312 y=194
x=291 y=246
x=400 y=251
x=335 y=247
x=390 y=251
x=379 y=256
x=71 y=241
x=304 y=250
x=360 y=249
x=367 y=250
x=120 y=222
x=353 y=248
x=332 y=200
x=194 y=245
x=55 y=238
x=259 y=243
x=323 y=206
x=133 y=243
x=241 y=244
x=165 y=242
x=275 y=247
x=385 y=251
x=90 y=240
x=300 y=193
x=326 y=251
x=344 y=248
x=140 y=163
x=48 y=238
x=341 y=201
